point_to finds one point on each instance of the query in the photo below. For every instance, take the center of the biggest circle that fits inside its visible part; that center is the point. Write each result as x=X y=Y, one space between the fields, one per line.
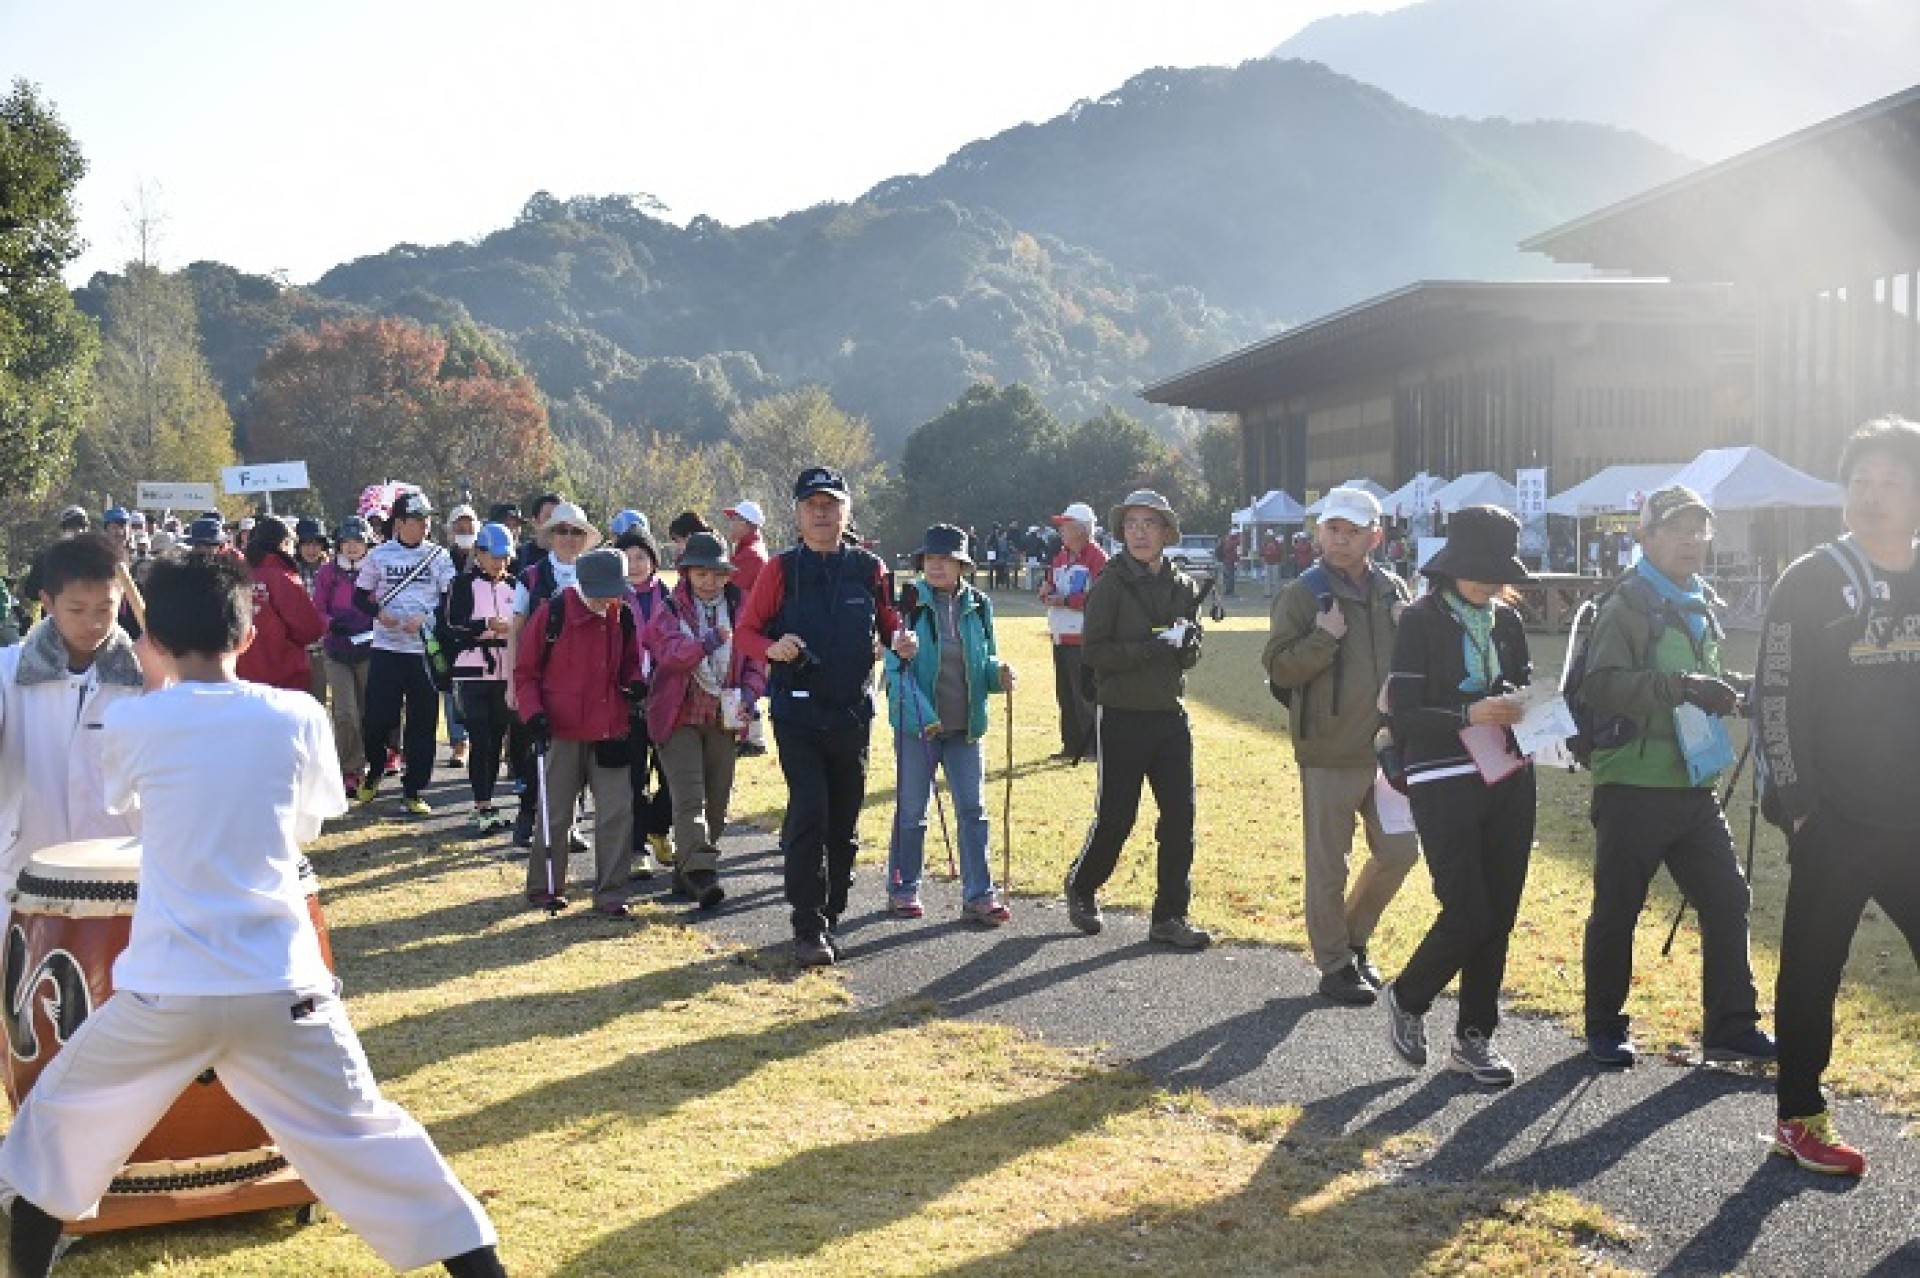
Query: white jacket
x=44 y=714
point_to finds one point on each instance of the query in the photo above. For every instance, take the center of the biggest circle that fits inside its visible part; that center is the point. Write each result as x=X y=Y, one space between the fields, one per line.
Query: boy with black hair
x=223 y=968
x=1839 y=675
x=55 y=689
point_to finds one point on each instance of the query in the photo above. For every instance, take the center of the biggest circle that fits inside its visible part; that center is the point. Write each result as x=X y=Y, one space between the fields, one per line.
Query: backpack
x=1591 y=731
x=1314 y=579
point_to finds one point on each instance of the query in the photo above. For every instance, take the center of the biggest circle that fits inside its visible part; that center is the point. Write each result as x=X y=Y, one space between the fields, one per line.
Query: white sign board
x=153 y=495
x=264 y=479
x=1531 y=485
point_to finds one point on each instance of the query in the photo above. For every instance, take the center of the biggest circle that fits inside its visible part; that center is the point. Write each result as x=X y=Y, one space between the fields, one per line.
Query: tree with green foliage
x=775 y=438
x=995 y=454
x=1111 y=454
x=157 y=412
x=47 y=346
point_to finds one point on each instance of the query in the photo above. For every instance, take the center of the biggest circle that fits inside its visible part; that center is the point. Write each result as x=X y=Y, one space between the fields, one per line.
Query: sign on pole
x=1531 y=485
x=264 y=479
x=159 y=495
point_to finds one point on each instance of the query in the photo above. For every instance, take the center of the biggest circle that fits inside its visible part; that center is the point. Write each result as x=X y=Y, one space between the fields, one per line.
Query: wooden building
x=1818 y=233
x=1451 y=377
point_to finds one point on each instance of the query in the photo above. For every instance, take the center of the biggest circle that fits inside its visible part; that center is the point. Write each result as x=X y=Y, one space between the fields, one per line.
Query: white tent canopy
x=1749 y=478
x=1276 y=507
x=1477 y=488
x=1614 y=490
x=1367 y=484
x=1399 y=503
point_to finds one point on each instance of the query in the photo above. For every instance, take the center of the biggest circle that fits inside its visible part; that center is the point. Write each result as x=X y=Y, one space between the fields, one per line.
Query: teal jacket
x=910 y=704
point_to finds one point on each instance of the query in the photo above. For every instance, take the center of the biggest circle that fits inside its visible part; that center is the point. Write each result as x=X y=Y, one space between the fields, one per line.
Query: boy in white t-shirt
x=223 y=968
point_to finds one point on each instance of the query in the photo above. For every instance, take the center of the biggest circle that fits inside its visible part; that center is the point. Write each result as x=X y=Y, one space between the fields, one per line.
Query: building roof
x=1421 y=321
x=1836 y=200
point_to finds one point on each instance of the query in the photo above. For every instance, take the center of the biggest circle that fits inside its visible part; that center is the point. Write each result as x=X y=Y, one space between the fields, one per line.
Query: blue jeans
x=965 y=764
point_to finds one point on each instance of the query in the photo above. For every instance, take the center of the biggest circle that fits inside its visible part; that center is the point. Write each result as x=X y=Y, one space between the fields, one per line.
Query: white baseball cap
x=747 y=510
x=1355 y=505
x=1079 y=512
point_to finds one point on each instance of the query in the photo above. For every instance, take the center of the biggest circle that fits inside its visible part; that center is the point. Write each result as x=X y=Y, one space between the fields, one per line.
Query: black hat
x=704 y=550
x=411 y=506
x=501 y=511
x=1480 y=547
x=207 y=531
x=308 y=529
x=819 y=479
x=943 y=539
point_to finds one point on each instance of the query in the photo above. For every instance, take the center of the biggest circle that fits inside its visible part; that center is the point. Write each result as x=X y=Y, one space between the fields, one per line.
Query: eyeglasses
x=1141 y=525
x=1696 y=535
x=569 y=532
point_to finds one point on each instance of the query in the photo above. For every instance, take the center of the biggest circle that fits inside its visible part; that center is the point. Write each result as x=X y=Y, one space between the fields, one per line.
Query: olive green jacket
x=1336 y=682
x=1127 y=606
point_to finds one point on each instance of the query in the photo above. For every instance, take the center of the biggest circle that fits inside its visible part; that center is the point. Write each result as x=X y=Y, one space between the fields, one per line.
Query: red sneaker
x=1811 y=1142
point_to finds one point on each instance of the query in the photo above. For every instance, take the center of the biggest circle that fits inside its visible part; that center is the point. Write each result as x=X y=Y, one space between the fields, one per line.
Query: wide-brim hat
x=1145 y=499
x=570 y=514
x=601 y=574
x=1481 y=545
x=944 y=539
x=704 y=550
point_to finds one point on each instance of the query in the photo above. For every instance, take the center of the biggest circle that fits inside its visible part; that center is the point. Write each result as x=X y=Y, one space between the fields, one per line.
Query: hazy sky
x=288 y=136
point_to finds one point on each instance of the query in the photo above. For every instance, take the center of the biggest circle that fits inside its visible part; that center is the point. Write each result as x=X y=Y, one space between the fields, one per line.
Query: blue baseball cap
x=495 y=539
x=114 y=515
x=628 y=519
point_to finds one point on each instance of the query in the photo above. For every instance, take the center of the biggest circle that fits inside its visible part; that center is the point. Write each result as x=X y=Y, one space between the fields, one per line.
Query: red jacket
x=749 y=557
x=581 y=684
x=676 y=653
x=284 y=623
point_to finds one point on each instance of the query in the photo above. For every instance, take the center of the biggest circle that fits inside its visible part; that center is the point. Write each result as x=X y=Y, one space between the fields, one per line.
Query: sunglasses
x=569 y=532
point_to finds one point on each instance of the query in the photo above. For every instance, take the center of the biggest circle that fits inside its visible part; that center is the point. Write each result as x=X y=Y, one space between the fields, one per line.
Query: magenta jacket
x=675 y=654
x=333 y=596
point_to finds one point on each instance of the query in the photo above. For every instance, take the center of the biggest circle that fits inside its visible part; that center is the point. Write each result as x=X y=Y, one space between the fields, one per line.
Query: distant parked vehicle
x=1195 y=553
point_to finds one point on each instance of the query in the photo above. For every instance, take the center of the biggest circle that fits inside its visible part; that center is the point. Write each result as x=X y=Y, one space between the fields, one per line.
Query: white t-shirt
x=383 y=568
x=230 y=780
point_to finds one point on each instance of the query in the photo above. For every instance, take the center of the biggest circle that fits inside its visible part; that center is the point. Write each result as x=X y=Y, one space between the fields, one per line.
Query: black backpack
x=1592 y=731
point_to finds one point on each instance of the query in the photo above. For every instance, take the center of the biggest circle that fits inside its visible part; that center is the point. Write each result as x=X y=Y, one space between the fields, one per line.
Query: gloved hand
x=1190 y=650
x=540 y=731
x=340 y=626
x=636 y=694
x=1715 y=696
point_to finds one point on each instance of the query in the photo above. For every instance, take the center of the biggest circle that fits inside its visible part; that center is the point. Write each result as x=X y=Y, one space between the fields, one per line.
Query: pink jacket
x=675 y=654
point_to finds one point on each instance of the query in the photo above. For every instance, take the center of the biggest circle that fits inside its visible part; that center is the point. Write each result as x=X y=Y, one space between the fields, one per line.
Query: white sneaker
x=1475 y=1054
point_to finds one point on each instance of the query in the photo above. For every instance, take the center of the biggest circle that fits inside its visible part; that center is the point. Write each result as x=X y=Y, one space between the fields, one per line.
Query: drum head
x=88 y=860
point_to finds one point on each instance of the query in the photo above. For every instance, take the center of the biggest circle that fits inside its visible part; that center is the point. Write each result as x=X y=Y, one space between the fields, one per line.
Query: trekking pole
x=554 y=904
x=1006 y=800
x=933 y=773
x=1746 y=753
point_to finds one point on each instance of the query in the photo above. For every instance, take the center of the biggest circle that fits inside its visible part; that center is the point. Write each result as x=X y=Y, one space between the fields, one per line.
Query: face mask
x=465 y=540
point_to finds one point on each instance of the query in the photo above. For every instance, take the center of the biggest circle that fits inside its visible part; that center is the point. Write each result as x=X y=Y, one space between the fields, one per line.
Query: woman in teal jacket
x=938 y=708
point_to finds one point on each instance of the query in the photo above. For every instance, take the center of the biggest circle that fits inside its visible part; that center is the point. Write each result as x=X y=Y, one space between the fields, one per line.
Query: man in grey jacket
x=1331 y=643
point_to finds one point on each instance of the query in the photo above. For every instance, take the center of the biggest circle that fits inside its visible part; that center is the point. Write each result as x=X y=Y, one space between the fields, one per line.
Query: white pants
x=300 y=1072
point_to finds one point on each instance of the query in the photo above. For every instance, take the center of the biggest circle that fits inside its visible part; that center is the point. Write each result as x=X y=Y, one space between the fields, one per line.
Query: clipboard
x=1488 y=745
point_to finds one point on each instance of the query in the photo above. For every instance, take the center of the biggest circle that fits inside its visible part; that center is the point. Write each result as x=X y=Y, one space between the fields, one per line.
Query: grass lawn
x=649 y=1101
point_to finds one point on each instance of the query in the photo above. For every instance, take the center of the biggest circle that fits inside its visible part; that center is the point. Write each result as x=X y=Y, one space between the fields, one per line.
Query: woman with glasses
x=568 y=534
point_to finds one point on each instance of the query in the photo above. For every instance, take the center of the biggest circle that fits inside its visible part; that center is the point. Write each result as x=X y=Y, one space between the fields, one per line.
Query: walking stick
x=1733 y=780
x=135 y=600
x=1006 y=800
x=933 y=780
x=554 y=903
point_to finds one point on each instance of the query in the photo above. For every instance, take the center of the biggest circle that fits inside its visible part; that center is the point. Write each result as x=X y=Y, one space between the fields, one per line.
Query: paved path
x=1676 y=1152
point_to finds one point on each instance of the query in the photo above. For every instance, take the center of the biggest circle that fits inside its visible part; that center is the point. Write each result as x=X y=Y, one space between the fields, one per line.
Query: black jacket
x=1424 y=700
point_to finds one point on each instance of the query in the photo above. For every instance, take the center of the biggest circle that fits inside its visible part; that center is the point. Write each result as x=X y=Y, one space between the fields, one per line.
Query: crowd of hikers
x=569 y=671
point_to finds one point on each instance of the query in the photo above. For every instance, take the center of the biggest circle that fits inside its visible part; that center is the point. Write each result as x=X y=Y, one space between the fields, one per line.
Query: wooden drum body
x=72 y=914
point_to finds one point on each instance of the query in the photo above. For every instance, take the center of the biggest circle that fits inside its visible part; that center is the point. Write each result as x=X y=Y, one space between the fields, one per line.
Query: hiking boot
x=1812 y=1142
x=1407 y=1031
x=1083 y=911
x=749 y=750
x=369 y=789
x=551 y=902
x=1345 y=985
x=662 y=848
x=414 y=805
x=1475 y=1054
x=1368 y=972
x=987 y=911
x=704 y=887
x=1613 y=1048
x=1180 y=934
x=906 y=905
x=1751 y=1046
x=813 y=949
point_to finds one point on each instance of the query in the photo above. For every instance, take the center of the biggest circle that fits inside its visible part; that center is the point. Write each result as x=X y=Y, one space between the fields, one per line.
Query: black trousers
x=1155 y=748
x=483 y=704
x=1477 y=839
x=826 y=774
x=398 y=681
x=1076 y=712
x=1837 y=866
x=652 y=803
x=1637 y=829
